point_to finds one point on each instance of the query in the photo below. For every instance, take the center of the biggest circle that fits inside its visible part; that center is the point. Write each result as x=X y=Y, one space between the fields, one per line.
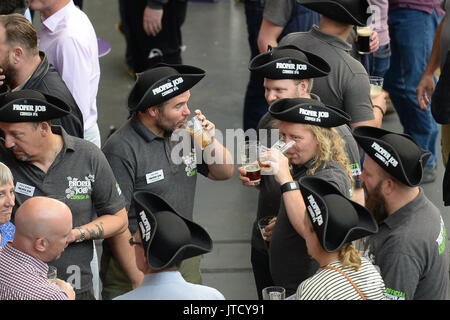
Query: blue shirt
x=7 y=231
x=170 y=285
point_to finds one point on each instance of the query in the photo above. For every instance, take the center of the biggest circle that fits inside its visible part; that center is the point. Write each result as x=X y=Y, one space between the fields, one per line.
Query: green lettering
x=395 y=293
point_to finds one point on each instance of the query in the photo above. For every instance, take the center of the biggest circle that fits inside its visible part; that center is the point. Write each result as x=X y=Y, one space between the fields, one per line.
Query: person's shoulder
x=203 y=292
x=125 y=137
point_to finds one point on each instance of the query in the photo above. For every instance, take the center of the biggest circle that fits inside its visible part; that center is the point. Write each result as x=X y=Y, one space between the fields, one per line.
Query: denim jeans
x=412 y=33
x=379 y=61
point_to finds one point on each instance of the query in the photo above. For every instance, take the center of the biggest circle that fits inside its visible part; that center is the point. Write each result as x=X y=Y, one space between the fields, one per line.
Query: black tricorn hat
x=289 y=62
x=346 y=11
x=308 y=111
x=396 y=153
x=161 y=83
x=166 y=236
x=30 y=106
x=336 y=219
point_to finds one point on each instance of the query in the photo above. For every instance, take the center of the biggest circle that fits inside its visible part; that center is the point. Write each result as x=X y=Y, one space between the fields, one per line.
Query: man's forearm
x=105 y=226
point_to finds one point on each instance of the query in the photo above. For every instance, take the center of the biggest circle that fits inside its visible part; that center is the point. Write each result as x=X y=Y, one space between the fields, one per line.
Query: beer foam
x=364 y=32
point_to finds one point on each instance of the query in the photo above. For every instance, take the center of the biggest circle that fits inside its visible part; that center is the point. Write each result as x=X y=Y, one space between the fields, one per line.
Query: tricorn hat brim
x=287 y=62
x=149 y=205
x=352 y=12
x=338 y=221
x=396 y=153
x=161 y=83
x=31 y=106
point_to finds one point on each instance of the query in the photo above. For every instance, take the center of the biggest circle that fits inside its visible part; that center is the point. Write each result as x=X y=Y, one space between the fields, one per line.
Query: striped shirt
x=23 y=277
x=328 y=284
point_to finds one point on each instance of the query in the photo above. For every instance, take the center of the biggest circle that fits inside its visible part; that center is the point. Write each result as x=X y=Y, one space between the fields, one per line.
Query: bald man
x=43 y=231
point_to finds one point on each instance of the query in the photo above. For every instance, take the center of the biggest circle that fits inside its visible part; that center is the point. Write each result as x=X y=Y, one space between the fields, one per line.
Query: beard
x=23 y=156
x=376 y=203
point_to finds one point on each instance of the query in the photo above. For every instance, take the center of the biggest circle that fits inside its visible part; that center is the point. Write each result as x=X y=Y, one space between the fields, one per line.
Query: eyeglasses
x=134 y=243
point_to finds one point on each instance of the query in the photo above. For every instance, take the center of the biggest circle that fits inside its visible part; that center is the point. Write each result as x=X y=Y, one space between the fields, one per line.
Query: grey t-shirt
x=81 y=175
x=410 y=250
x=290 y=263
x=278 y=12
x=142 y=161
x=347 y=86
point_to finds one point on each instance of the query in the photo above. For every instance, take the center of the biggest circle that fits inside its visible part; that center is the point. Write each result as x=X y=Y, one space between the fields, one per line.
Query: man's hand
x=424 y=91
x=374 y=42
x=152 y=21
x=245 y=180
x=67 y=288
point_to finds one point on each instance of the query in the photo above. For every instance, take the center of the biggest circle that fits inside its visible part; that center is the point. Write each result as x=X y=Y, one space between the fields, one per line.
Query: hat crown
x=308 y=111
x=22 y=94
x=398 y=154
x=288 y=53
x=342 y=217
x=161 y=83
x=171 y=236
x=353 y=12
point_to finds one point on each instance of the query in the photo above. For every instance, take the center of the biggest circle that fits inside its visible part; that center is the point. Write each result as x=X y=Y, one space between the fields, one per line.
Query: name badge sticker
x=154 y=176
x=25 y=189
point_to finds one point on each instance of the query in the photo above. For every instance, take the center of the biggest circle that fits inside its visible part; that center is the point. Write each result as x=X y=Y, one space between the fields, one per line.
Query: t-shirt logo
x=79 y=189
x=190 y=161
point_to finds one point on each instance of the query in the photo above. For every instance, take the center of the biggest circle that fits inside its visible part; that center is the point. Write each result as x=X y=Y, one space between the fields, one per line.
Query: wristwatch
x=83 y=234
x=289 y=186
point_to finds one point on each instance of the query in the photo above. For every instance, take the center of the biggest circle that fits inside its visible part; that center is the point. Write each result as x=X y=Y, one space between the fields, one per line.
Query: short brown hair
x=20 y=31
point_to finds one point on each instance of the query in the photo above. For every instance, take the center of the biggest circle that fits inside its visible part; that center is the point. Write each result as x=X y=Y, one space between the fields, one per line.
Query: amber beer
x=363 y=42
x=253 y=172
x=201 y=137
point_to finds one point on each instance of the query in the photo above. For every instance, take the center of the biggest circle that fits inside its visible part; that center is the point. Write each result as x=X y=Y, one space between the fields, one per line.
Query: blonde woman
x=318 y=151
x=7 y=199
x=331 y=222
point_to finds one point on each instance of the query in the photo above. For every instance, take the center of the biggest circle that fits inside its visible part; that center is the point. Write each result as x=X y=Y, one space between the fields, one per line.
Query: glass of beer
x=363 y=39
x=249 y=158
x=195 y=129
x=376 y=86
x=274 y=293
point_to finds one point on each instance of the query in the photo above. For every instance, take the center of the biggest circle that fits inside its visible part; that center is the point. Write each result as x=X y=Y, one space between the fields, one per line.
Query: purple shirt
x=70 y=43
x=422 y=5
x=23 y=277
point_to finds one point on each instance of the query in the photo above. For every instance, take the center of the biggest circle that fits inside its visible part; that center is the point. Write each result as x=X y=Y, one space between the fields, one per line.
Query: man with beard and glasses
x=410 y=246
x=145 y=157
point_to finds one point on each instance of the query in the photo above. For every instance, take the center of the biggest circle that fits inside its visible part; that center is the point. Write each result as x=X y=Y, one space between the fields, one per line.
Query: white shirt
x=170 y=285
x=70 y=43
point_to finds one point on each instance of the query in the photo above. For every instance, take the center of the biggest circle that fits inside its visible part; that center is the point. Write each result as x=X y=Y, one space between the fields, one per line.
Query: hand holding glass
x=200 y=135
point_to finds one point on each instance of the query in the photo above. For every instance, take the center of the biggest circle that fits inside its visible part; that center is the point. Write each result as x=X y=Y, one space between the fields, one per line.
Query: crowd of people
x=351 y=221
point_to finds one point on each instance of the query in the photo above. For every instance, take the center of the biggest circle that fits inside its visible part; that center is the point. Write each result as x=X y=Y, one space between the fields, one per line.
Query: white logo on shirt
x=79 y=189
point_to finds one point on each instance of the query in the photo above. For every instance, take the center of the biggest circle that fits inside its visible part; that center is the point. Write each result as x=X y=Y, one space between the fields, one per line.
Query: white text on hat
x=383 y=155
x=314 y=211
x=168 y=87
x=145 y=226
